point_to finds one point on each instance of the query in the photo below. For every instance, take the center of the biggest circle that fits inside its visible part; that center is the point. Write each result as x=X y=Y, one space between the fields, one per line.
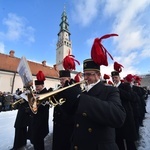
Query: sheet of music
x=24 y=72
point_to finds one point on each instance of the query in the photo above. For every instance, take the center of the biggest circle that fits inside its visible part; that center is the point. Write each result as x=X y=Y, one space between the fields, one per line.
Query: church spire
x=64 y=45
x=64 y=26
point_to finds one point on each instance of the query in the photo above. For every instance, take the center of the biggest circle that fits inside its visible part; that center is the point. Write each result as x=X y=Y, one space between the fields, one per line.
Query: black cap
x=37 y=82
x=89 y=64
x=114 y=73
x=64 y=73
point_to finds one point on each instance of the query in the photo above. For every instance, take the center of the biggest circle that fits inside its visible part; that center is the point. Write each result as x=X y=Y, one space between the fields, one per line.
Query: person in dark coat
x=21 y=126
x=141 y=93
x=39 y=126
x=97 y=112
x=63 y=122
x=127 y=132
x=1 y=101
x=135 y=102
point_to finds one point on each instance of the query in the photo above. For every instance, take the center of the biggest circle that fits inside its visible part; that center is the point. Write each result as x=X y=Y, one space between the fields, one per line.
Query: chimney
x=44 y=62
x=11 y=53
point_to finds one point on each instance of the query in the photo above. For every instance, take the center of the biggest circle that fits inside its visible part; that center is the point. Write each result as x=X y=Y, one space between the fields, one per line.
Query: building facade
x=9 y=77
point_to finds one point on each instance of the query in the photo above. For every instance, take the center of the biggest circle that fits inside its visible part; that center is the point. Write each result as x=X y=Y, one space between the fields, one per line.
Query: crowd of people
x=133 y=98
x=98 y=116
x=103 y=116
x=7 y=99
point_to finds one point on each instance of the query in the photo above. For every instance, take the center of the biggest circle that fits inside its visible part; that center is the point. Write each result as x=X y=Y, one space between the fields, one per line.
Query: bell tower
x=63 y=44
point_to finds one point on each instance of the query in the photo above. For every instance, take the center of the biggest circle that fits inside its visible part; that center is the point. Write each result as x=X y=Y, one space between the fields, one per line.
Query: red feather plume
x=106 y=76
x=99 y=52
x=137 y=78
x=76 y=78
x=110 y=83
x=129 y=77
x=40 y=76
x=122 y=80
x=117 y=67
x=69 y=62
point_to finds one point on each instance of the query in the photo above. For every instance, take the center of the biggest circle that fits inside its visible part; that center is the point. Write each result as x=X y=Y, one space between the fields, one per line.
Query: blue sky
x=30 y=27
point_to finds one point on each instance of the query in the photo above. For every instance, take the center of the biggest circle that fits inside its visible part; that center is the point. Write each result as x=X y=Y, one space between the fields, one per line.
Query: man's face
x=115 y=79
x=63 y=80
x=91 y=76
x=38 y=88
x=136 y=83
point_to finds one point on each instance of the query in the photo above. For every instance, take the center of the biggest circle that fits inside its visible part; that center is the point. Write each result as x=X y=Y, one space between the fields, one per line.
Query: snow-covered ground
x=7 y=120
x=7 y=130
x=144 y=143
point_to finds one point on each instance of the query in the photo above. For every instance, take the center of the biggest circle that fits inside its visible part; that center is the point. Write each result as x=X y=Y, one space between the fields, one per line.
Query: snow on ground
x=7 y=130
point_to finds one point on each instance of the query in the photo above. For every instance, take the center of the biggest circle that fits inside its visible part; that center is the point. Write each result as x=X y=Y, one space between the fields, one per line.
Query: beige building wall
x=6 y=82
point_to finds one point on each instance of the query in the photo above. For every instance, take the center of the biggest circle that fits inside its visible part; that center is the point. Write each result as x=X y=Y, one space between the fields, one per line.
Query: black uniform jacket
x=141 y=93
x=128 y=130
x=22 y=119
x=63 y=125
x=98 y=114
x=39 y=126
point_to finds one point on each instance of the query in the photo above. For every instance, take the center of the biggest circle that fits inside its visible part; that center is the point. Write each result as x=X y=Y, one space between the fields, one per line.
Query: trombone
x=35 y=100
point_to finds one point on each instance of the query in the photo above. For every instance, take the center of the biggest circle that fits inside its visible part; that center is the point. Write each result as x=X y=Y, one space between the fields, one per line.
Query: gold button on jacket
x=84 y=114
x=77 y=125
x=90 y=129
x=75 y=147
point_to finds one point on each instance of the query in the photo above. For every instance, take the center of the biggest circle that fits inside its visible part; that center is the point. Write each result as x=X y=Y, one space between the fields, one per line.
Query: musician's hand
x=67 y=83
x=72 y=81
x=72 y=94
x=72 y=97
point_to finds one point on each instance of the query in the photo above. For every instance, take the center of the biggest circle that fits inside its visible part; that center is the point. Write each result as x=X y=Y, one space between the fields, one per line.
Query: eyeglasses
x=88 y=74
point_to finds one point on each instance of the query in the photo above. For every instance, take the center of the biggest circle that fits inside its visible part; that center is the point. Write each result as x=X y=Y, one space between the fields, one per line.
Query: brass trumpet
x=35 y=100
x=20 y=101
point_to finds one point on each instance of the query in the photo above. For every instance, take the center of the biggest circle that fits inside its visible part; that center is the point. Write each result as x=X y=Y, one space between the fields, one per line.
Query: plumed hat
x=89 y=64
x=117 y=67
x=77 y=77
x=110 y=82
x=114 y=73
x=137 y=78
x=129 y=78
x=64 y=73
x=69 y=62
x=106 y=76
x=40 y=78
x=99 y=52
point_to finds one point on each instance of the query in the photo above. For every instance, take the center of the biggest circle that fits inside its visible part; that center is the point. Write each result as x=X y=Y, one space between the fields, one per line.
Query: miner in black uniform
x=141 y=93
x=39 y=124
x=127 y=132
x=21 y=125
x=97 y=112
x=63 y=121
x=135 y=102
